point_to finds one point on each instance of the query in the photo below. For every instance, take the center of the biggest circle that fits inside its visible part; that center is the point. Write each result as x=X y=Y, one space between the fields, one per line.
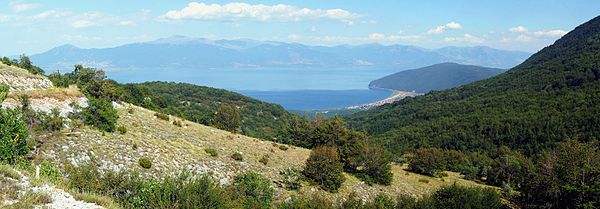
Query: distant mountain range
x=180 y=52
x=434 y=77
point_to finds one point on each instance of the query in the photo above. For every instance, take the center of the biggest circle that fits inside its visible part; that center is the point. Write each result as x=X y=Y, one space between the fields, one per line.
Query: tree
x=227 y=118
x=428 y=161
x=254 y=190
x=13 y=133
x=332 y=132
x=25 y=63
x=100 y=114
x=324 y=168
x=566 y=177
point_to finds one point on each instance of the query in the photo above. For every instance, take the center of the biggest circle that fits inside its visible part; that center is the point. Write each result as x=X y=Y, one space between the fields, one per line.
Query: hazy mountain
x=181 y=52
x=434 y=77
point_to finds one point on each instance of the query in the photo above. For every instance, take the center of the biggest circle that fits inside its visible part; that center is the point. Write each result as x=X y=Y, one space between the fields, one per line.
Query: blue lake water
x=293 y=88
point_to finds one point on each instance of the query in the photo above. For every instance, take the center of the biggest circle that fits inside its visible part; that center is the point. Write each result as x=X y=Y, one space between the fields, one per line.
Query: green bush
x=144 y=162
x=237 y=156
x=49 y=170
x=100 y=114
x=323 y=167
x=122 y=129
x=131 y=190
x=291 y=178
x=13 y=136
x=456 y=196
x=212 y=152
x=254 y=190
x=177 y=123
x=283 y=147
x=264 y=160
x=161 y=116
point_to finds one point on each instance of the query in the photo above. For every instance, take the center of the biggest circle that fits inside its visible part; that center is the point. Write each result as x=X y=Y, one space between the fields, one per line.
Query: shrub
x=144 y=162
x=264 y=160
x=51 y=122
x=13 y=136
x=161 y=116
x=237 y=156
x=130 y=110
x=122 y=129
x=456 y=196
x=424 y=181
x=49 y=169
x=291 y=178
x=212 y=152
x=254 y=190
x=133 y=191
x=323 y=167
x=283 y=147
x=227 y=118
x=177 y=123
x=382 y=201
x=100 y=114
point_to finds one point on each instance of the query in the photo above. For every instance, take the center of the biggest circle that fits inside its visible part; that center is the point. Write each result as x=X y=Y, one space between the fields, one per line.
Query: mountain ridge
x=193 y=53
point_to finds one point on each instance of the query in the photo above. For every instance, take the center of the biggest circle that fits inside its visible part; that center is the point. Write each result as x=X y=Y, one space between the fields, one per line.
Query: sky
x=29 y=26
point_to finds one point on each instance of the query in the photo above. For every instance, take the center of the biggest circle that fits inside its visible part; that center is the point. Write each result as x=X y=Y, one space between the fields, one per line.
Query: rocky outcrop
x=43 y=96
x=24 y=83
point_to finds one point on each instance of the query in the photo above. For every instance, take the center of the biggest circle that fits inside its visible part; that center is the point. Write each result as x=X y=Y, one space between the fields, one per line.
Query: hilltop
x=435 y=77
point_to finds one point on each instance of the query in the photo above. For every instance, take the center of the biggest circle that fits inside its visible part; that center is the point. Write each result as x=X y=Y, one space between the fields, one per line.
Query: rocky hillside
x=174 y=149
x=42 y=95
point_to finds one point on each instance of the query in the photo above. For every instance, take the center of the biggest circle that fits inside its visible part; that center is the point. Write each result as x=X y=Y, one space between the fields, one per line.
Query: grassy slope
x=15 y=71
x=173 y=149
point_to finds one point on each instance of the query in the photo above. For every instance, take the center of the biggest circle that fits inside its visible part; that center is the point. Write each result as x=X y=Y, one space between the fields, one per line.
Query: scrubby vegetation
x=358 y=155
x=237 y=156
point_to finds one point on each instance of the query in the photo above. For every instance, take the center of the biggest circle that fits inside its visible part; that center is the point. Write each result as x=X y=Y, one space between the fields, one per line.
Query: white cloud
x=19 y=6
x=518 y=29
x=448 y=26
x=82 y=23
x=294 y=37
x=258 y=12
x=376 y=36
x=550 y=33
x=51 y=14
x=453 y=26
x=126 y=23
x=312 y=29
x=468 y=38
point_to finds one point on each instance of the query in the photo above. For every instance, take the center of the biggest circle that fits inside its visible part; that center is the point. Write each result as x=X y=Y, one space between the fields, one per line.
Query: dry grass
x=56 y=93
x=32 y=199
x=103 y=201
x=173 y=149
x=15 y=71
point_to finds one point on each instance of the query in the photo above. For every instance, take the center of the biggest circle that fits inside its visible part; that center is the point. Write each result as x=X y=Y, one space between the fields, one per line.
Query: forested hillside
x=435 y=77
x=552 y=96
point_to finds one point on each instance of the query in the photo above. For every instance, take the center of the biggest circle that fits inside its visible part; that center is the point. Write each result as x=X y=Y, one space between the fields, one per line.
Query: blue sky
x=36 y=26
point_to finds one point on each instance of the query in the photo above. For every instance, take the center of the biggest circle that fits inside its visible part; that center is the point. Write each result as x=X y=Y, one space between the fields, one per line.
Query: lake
x=293 y=88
